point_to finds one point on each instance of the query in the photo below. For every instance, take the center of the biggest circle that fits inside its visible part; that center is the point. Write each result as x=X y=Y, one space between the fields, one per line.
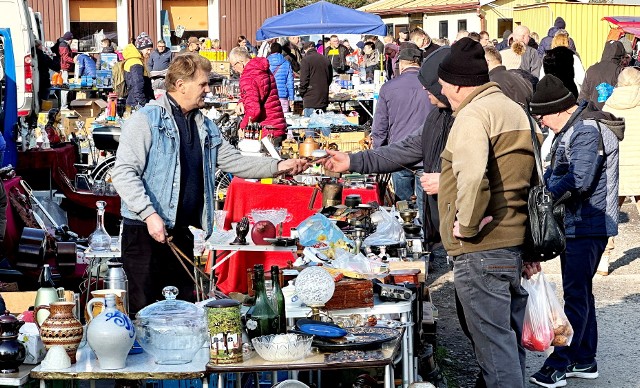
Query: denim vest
x=161 y=176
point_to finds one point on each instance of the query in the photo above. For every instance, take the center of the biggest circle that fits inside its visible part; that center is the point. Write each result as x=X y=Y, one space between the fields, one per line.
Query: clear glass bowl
x=283 y=347
x=275 y=216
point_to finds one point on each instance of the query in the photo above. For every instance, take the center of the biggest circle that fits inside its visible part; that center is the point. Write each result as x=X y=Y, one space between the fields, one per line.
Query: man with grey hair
x=531 y=61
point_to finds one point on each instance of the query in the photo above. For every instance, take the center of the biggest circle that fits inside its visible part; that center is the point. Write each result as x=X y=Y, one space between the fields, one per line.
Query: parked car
x=15 y=16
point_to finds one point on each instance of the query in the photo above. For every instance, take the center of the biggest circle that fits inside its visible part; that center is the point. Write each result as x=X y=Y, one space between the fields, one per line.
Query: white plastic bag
x=562 y=329
x=388 y=231
x=537 y=332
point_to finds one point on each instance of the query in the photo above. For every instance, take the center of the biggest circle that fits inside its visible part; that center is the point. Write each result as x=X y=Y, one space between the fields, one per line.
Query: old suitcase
x=351 y=293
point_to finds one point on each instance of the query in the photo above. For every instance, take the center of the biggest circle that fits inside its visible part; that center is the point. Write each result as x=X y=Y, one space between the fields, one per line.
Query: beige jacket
x=624 y=102
x=487 y=167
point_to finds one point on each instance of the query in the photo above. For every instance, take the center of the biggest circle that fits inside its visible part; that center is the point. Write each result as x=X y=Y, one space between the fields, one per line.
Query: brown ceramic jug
x=61 y=328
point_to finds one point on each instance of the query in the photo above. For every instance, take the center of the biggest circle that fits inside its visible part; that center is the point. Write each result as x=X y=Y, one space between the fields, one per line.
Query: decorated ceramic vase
x=61 y=328
x=110 y=334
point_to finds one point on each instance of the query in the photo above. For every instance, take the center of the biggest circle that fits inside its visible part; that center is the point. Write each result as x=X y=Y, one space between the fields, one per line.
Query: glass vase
x=100 y=240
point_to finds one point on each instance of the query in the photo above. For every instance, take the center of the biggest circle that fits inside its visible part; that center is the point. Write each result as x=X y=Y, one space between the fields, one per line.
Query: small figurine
x=242 y=229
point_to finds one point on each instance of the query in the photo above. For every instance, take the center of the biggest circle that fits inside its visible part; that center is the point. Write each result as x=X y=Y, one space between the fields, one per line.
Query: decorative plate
x=357 y=338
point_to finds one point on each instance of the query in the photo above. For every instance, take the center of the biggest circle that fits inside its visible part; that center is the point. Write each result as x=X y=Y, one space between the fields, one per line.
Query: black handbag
x=545 y=237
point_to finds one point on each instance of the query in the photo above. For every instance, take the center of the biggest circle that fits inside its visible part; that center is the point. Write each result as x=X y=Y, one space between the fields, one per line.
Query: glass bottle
x=278 y=299
x=100 y=240
x=262 y=320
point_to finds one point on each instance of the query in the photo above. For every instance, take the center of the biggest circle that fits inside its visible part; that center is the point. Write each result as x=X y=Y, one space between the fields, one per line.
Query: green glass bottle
x=261 y=319
x=277 y=299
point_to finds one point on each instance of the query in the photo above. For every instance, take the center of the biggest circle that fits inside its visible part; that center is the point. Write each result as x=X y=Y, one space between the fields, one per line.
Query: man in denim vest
x=165 y=175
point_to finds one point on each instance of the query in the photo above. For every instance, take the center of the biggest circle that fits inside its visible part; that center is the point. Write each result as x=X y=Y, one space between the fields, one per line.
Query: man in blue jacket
x=402 y=108
x=584 y=167
x=85 y=66
x=160 y=58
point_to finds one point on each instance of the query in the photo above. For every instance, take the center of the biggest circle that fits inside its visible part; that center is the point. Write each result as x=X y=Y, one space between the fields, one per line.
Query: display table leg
x=406 y=354
x=220 y=380
x=388 y=376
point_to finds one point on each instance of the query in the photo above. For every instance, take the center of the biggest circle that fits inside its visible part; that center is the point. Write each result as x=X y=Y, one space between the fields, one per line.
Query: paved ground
x=618 y=312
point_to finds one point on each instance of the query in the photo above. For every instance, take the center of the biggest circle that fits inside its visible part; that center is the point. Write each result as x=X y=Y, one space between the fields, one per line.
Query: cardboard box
x=19 y=302
x=48 y=105
x=81 y=95
x=353 y=119
x=30 y=338
x=90 y=107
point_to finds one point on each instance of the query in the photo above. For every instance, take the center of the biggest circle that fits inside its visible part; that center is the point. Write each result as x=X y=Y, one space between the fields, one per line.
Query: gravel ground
x=618 y=312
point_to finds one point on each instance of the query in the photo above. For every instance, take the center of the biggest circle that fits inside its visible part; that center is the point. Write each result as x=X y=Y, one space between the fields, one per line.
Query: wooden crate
x=351 y=293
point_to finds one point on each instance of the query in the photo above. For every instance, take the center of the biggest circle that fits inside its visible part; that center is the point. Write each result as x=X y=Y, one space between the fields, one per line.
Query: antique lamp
x=315 y=287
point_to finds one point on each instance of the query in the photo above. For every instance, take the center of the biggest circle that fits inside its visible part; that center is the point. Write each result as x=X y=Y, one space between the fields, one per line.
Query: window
x=462 y=24
x=444 y=30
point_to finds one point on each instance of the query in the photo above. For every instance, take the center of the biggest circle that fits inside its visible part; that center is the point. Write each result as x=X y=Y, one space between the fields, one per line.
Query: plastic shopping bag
x=537 y=332
x=319 y=232
x=562 y=330
x=389 y=230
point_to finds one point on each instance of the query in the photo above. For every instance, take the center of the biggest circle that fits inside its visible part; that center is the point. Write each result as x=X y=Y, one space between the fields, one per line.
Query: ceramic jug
x=307 y=147
x=110 y=334
x=12 y=351
x=61 y=328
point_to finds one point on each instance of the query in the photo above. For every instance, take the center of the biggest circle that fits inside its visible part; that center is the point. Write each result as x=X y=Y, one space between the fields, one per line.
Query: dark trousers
x=579 y=264
x=151 y=266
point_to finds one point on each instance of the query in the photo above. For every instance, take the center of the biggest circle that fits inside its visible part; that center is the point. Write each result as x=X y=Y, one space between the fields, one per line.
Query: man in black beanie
x=487 y=165
x=585 y=167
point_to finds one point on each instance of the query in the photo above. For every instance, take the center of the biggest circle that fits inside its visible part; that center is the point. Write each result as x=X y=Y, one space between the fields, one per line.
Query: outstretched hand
x=337 y=162
x=294 y=166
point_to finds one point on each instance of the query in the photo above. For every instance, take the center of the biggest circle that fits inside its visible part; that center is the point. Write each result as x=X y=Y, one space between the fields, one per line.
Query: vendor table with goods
x=244 y=196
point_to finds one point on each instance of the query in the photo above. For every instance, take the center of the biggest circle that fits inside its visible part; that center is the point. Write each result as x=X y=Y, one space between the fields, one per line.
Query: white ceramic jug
x=110 y=334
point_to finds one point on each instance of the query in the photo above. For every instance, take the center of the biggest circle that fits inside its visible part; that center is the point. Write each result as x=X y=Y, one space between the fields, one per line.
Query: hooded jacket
x=136 y=77
x=86 y=66
x=316 y=74
x=281 y=69
x=259 y=94
x=64 y=54
x=607 y=71
x=625 y=103
x=512 y=85
x=545 y=43
x=584 y=164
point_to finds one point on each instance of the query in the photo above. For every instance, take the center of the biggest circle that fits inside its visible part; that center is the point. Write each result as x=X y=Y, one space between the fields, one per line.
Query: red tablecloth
x=61 y=157
x=242 y=197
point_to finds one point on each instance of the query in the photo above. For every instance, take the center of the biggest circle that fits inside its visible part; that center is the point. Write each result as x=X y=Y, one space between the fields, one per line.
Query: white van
x=15 y=15
x=36 y=25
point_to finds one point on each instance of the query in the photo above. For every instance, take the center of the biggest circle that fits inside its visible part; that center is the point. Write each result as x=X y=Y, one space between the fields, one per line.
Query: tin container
x=225 y=331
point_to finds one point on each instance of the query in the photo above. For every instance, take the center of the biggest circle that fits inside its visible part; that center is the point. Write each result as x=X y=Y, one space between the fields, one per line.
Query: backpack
x=118 y=81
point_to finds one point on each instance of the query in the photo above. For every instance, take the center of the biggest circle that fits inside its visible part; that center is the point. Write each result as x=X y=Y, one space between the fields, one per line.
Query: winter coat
x=512 y=85
x=403 y=106
x=607 y=71
x=316 y=74
x=504 y=44
x=567 y=66
x=624 y=103
x=86 y=66
x=545 y=43
x=259 y=94
x=159 y=61
x=531 y=62
x=584 y=165
x=136 y=77
x=64 y=53
x=282 y=71
x=339 y=60
x=44 y=65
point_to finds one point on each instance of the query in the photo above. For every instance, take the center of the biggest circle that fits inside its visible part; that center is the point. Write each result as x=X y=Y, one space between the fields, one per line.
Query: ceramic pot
x=307 y=147
x=12 y=351
x=110 y=334
x=61 y=328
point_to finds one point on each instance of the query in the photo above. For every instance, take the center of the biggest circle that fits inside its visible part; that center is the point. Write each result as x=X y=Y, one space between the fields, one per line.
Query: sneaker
x=549 y=377
x=583 y=371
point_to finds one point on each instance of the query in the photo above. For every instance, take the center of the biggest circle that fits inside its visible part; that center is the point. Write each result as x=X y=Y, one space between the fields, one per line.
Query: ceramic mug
x=96 y=305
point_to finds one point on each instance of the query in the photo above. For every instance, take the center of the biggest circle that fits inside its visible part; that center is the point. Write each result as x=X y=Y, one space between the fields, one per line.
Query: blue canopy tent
x=321 y=18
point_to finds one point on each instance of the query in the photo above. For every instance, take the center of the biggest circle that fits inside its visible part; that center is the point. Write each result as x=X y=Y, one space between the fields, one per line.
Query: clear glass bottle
x=100 y=240
x=277 y=299
x=261 y=319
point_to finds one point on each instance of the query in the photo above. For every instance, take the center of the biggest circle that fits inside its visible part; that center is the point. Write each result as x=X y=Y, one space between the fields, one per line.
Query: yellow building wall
x=584 y=23
x=500 y=9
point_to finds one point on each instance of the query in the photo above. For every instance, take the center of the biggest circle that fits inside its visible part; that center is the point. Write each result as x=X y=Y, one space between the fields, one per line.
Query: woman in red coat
x=259 y=101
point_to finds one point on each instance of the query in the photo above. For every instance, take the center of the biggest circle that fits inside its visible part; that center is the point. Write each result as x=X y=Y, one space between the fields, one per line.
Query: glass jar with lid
x=172 y=330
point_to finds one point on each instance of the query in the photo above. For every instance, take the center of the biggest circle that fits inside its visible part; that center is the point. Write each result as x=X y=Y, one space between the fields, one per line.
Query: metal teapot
x=307 y=147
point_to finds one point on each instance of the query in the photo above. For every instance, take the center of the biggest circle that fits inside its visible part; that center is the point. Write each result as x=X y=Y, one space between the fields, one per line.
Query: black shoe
x=583 y=371
x=549 y=377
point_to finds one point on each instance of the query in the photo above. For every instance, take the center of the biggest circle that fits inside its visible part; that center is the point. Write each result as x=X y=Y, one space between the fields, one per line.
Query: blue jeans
x=407 y=184
x=493 y=302
x=579 y=264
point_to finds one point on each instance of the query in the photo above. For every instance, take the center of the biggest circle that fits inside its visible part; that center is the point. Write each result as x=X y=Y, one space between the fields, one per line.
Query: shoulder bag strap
x=536 y=145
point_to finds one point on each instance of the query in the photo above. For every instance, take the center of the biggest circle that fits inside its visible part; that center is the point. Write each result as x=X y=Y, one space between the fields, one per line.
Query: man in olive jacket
x=487 y=165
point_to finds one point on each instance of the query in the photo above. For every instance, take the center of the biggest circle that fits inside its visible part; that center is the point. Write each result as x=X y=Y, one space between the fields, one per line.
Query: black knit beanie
x=551 y=96
x=465 y=65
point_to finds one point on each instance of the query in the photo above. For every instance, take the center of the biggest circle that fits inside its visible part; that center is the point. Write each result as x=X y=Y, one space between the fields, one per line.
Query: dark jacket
x=403 y=106
x=137 y=78
x=259 y=94
x=429 y=49
x=282 y=71
x=605 y=71
x=545 y=43
x=512 y=85
x=585 y=164
x=292 y=53
x=339 y=61
x=44 y=65
x=504 y=44
x=559 y=62
x=64 y=55
x=159 y=61
x=316 y=74
x=86 y=66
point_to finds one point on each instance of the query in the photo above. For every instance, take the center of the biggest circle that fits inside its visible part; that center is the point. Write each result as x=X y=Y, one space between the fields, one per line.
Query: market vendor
x=164 y=173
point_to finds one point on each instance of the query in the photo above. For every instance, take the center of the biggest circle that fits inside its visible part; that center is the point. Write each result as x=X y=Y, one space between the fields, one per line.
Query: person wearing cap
x=483 y=212
x=136 y=75
x=583 y=172
x=401 y=111
x=193 y=46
